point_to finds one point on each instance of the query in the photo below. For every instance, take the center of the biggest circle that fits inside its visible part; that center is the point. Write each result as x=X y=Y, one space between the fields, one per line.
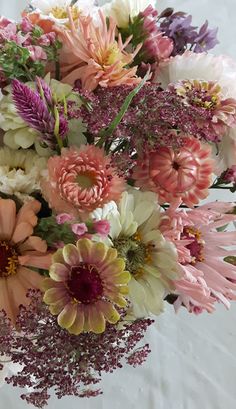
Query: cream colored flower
x=20 y=172
x=151 y=260
x=124 y=10
x=56 y=10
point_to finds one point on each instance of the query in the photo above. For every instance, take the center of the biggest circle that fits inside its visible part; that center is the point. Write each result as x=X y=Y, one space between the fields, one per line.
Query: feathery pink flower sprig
x=34 y=110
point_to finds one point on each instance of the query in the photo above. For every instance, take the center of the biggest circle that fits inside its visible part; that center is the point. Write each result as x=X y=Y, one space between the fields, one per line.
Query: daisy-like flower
x=207 y=277
x=151 y=260
x=80 y=180
x=20 y=172
x=199 y=66
x=19 y=249
x=56 y=10
x=101 y=59
x=183 y=173
x=208 y=95
x=124 y=11
x=86 y=281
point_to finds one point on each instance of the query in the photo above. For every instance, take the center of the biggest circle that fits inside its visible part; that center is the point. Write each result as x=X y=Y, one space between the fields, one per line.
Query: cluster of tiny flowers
x=76 y=366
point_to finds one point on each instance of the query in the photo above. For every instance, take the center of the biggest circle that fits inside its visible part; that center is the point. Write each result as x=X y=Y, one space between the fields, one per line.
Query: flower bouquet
x=116 y=123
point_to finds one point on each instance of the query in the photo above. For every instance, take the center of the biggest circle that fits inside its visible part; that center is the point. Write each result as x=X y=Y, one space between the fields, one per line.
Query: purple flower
x=33 y=109
x=206 y=39
x=43 y=87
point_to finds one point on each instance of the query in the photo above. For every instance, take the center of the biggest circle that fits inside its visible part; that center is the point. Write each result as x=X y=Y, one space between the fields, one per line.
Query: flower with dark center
x=85 y=282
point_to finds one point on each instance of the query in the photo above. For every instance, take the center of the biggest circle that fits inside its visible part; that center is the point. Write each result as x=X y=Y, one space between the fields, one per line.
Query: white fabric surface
x=193 y=360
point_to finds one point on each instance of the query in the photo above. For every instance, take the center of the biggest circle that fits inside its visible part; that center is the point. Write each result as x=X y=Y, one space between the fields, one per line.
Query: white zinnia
x=207 y=67
x=56 y=10
x=134 y=222
x=122 y=11
x=20 y=172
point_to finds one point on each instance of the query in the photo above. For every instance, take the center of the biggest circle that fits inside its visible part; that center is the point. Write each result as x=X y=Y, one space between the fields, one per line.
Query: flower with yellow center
x=151 y=260
x=56 y=10
x=85 y=282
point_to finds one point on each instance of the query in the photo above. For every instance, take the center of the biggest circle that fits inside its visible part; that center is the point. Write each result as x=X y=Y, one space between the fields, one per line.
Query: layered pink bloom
x=80 y=180
x=177 y=174
x=19 y=249
x=95 y=57
x=207 y=277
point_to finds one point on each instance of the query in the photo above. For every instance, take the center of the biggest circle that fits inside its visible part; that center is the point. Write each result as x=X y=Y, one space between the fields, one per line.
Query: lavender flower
x=178 y=26
x=52 y=358
x=206 y=39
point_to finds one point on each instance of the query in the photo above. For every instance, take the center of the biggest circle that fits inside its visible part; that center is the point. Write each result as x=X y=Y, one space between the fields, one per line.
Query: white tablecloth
x=193 y=360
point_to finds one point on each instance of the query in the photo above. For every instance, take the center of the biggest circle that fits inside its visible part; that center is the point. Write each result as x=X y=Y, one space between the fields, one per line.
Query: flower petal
x=109 y=311
x=59 y=272
x=96 y=320
x=7 y=218
x=71 y=255
x=67 y=316
x=78 y=324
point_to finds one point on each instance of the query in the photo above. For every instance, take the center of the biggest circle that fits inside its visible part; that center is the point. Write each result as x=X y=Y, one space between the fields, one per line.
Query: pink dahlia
x=80 y=180
x=85 y=282
x=207 y=277
x=184 y=173
x=97 y=58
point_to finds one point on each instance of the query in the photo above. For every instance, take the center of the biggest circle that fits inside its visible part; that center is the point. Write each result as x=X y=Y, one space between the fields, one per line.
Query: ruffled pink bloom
x=207 y=277
x=63 y=218
x=19 y=250
x=177 y=174
x=95 y=57
x=80 y=180
x=79 y=229
x=102 y=227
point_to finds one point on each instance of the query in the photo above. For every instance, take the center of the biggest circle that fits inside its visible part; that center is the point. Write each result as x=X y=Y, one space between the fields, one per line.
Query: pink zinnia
x=207 y=277
x=184 y=173
x=81 y=180
x=95 y=55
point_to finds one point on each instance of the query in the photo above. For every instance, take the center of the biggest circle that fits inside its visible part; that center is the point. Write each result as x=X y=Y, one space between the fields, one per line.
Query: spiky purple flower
x=34 y=109
x=44 y=89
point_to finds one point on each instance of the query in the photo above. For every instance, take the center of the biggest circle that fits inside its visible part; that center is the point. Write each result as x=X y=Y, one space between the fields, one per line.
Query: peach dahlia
x=85 y=282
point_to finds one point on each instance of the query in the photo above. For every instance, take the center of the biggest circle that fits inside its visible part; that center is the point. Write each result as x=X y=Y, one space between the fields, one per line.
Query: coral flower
x=184 y=173
x=80 y=180
x=86 y=281
x=19 y=249
x=101 y=60
x=208 y=278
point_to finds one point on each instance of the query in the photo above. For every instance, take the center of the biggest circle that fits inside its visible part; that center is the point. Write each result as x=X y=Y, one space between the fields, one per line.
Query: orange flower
x=101 y=60
x=18 y=250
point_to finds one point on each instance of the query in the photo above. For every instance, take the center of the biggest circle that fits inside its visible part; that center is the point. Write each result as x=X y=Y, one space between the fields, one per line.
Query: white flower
x=206 y=67
x=124 y=10
x=200 y=66
x=151 y=260
x=20 y=172
x=226 y=152
x=56 y=10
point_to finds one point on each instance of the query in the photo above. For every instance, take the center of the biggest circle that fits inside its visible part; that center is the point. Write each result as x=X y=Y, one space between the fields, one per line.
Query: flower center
x=197 y=244
x=85 y=284
x=134 y=252
x=85 y=180
x=8 y=260
x=61 y=12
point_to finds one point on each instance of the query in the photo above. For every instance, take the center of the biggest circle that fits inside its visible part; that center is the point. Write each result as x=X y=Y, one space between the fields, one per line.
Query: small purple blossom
x=229 y=176
x=206 y=39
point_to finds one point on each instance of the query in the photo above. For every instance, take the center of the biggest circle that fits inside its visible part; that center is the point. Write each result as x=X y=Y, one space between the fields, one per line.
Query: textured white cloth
x=193 y=360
